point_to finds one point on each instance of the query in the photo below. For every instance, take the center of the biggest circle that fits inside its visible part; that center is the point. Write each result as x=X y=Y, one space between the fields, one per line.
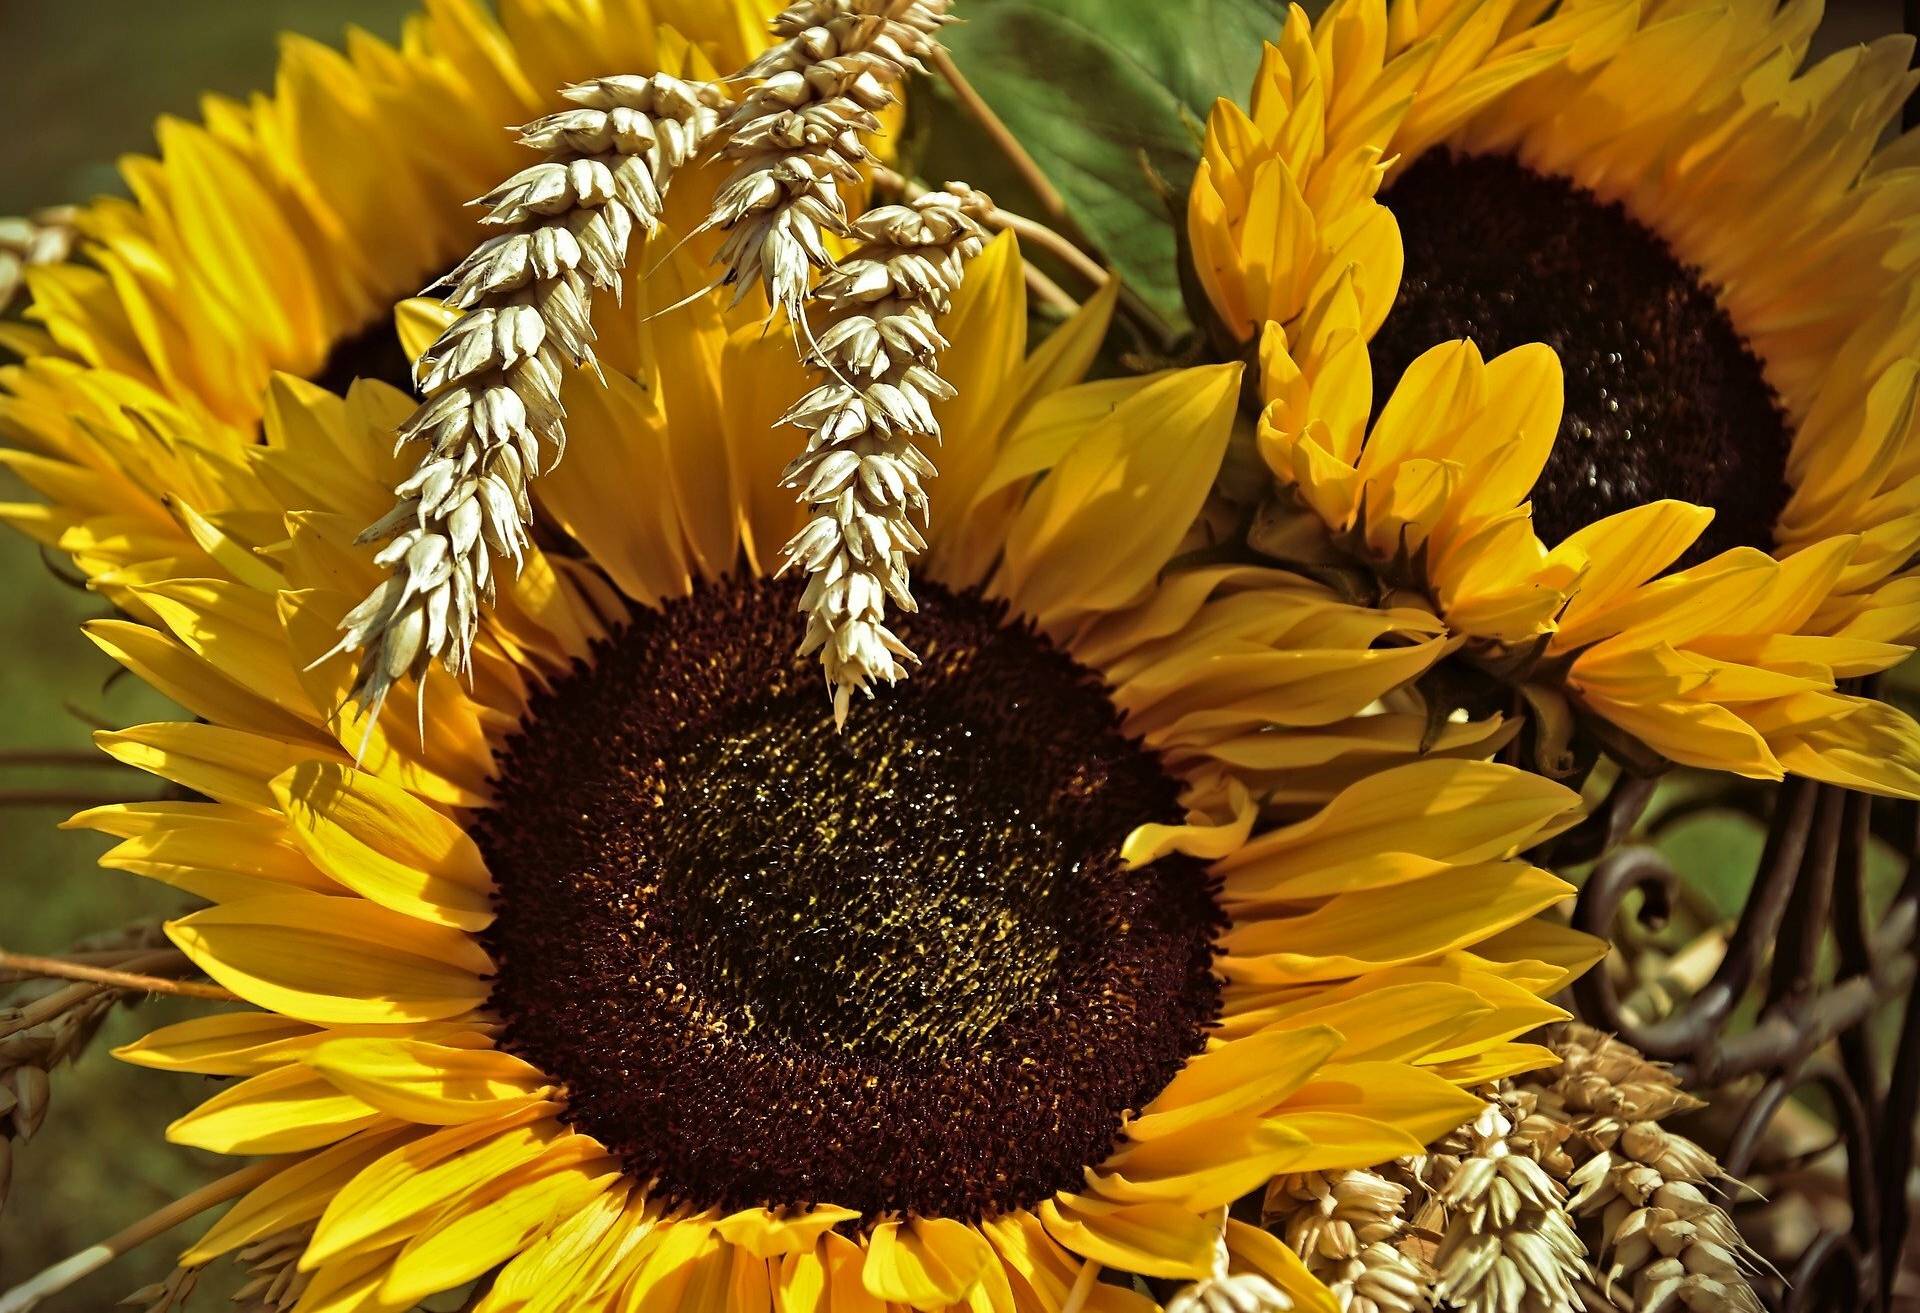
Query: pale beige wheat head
x=863 y=473
x=492 y=419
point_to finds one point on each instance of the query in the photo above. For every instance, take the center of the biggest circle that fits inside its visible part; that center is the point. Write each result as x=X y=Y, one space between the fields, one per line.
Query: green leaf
x=1099 y=92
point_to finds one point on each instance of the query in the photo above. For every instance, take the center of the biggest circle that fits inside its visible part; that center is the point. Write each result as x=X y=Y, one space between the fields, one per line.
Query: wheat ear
x=491 y=419
x=797 y=137
x=863 y=473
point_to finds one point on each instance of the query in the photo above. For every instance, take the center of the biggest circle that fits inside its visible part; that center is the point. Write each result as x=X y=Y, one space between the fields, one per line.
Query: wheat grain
x=796 y=138
x=863 y=473
x=492 y=419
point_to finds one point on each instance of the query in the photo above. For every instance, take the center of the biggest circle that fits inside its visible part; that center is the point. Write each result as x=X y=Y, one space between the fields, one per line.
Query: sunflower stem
x=34 y=966
x=67 y=1271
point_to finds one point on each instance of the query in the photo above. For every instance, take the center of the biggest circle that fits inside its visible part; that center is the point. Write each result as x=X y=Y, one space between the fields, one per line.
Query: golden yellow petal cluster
x=1766 y=179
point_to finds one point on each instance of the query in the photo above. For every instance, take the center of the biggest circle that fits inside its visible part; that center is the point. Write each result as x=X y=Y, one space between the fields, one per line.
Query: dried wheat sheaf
x=1566 y=1195
x=795 y=142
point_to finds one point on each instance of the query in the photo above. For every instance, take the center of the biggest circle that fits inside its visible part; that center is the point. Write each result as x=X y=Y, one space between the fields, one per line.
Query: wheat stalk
x=863 y=473
x=53 y=1029
x=491 y=419
x=797 y=137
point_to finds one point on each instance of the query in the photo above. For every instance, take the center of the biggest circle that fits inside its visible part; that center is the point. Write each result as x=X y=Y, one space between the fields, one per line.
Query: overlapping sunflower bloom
x=616 y=973
x=638 y=1083
x=1680 y=273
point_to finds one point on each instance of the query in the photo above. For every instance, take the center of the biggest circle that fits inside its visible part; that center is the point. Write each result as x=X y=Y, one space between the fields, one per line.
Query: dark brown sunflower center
x=898 y=968
x=373 y=352
x=1664 y=397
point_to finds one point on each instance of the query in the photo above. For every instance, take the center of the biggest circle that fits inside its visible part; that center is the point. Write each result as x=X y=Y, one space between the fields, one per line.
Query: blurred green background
x=81 y=84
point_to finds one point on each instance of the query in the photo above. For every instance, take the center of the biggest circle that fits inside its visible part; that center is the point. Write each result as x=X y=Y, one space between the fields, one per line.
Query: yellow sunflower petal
x=279 y=1111
x=1202 y=1167
x=390 y=1200
x=382 y=842
x=1470 y=811
x=925 y=1263
x=226 y=764
x=1249 y=1075
x=1357 y=932
x=1251 y=1249
x=1502 y=1062
x=295 y=1195
x=1043 y=1273
x=170 y=667
x=769 y=1234
x=1155 y=1240
x=428 y=1083
x=1104 y=522
x=559 y=1267
x=494 y=1224
x=335 y=959
x=1411 y=1100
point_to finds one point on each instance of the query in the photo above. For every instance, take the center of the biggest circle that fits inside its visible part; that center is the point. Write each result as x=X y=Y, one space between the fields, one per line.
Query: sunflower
x=1692 y=268
x=275 y=237
x=632 y=980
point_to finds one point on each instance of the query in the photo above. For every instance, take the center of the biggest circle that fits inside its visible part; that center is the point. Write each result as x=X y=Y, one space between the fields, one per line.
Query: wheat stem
x=34 y=966
x=1046 y=239
x=65 y=1273
x=1035 y=178
x=1082 y=1288
x=1144 y=317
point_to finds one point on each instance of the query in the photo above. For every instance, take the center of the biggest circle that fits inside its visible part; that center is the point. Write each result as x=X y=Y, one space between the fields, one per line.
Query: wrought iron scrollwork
x=1811 y=969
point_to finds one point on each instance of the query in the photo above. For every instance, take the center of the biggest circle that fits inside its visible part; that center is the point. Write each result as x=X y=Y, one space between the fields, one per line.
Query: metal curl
x=1683 y=1035
x=1810 y=1288
x=1810 y=964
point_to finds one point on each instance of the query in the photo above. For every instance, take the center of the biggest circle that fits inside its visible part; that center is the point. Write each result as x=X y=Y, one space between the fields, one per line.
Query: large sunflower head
x=276 y=237
x=640 y=985
x=1721 y=447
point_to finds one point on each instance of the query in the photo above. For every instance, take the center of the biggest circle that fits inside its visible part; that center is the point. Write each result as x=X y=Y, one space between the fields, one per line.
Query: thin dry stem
x=90 y=1260
x=31 y=965
x=1035 y=177
x=1046 y=239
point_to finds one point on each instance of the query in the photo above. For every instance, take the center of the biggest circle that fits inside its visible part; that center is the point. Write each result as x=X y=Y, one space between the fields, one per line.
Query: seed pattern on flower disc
x=899 y=968
x=1664 y=397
